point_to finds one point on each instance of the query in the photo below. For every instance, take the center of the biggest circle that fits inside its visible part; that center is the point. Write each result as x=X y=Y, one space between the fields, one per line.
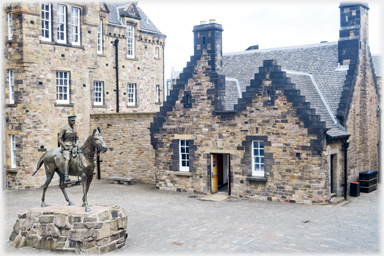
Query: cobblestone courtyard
x=173 y=222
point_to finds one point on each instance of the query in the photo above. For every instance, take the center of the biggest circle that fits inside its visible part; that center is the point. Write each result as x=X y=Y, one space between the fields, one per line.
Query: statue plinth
x=69 y=228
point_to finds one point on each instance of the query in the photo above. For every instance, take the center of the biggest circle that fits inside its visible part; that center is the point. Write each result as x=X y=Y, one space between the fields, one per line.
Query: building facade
x=301 y=113
x=87 y=59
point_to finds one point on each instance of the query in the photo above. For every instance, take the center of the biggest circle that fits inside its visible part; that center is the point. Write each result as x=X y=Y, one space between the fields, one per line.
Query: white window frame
x=61 y=20
x=62 y=81
x=184 y=155
x=131 y=92
x=47 y=21
x=100 y=38
x=75 y=18
x=11 y=82
x=98 y=93
x=130 y=41
x=13 y=151
x=9 y=26
x=258 y=158
x=156 y=52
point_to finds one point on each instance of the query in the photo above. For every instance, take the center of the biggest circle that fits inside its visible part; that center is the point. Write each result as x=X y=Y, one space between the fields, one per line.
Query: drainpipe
x=116 y=44
x=345 y=149
x=165 y=89
x=379 y=144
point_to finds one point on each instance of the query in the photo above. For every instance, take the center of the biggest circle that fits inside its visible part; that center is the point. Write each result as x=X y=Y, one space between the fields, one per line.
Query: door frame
x=228 y=155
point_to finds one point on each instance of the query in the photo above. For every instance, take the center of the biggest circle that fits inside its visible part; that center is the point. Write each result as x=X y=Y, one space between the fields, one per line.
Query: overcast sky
x=269 y=24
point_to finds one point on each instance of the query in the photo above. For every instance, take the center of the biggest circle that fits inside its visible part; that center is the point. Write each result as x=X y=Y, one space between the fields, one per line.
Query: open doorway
x=220 y=164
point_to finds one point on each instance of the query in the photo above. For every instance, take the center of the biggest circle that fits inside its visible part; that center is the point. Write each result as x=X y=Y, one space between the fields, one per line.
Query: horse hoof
x=70 y=203
x=87 y=209
x=43 y=204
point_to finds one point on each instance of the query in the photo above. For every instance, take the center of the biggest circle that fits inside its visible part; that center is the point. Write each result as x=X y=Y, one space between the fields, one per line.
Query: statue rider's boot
x=66 y=178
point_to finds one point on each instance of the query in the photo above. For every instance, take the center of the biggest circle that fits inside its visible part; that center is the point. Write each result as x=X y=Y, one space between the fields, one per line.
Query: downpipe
x=116 y=44
x=345 y=184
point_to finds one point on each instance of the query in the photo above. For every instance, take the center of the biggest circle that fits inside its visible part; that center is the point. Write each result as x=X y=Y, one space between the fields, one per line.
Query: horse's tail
x=40 y=163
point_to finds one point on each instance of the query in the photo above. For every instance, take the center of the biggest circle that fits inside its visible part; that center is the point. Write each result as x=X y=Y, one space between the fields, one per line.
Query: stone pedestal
x=70 y=228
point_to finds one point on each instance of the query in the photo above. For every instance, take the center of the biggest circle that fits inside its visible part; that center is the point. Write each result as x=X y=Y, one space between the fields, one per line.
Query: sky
x=269 y=24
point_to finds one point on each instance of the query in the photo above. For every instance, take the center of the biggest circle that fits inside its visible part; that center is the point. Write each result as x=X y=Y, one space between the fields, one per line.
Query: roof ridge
x=282 y=48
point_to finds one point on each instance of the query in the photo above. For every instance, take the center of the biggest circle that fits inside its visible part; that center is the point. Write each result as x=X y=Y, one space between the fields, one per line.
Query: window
x=131 y=94
x=46 y=21
x=61 y=24
x=98 y=93
x=157 y=93
x=184 y=155
x=100 y=37
x=13 y=151
x=62 y=87
x=130 y=40
x=11 y=87
x=258 y=158
x=157 y=52
x=169 y=87
x=76 y=26
x=9 y=26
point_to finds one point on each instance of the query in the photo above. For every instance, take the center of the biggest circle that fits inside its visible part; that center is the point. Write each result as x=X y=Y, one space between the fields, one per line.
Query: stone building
x=59 y=60
x=273 y=124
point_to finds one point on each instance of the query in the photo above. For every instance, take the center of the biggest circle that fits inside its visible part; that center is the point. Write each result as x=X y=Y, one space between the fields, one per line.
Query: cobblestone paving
x=173 y=222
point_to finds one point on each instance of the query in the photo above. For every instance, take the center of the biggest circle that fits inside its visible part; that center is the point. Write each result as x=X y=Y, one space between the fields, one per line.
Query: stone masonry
x=35 y=118
x=70 y=229
x=130 y=151
x=290 y=178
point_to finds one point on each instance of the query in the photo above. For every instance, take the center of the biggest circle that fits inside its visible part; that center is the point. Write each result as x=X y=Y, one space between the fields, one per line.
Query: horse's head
x=98 y=140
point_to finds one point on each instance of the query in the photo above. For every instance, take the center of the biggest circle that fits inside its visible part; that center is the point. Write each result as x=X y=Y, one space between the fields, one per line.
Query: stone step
x=336 y=200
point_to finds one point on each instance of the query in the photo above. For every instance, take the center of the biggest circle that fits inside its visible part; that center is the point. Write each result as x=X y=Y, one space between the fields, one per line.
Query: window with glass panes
x=98 y=93
x=9 y=26
x=184 y=155
x=100 y=37
x=46 y=21
x=131 y=94
x=75 y=26
x=130 y=40
x=13 y=151
x=62 y=87
x=61 y=24
x=257 y=158
x=11 y=87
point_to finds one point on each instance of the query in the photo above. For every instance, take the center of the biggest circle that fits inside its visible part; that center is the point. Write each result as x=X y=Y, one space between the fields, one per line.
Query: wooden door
x=215 y=177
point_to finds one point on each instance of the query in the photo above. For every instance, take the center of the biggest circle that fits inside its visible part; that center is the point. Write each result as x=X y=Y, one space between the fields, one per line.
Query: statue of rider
x=69 y=142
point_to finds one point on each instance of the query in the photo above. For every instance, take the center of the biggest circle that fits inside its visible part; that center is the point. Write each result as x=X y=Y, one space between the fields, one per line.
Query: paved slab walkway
x=174 y=222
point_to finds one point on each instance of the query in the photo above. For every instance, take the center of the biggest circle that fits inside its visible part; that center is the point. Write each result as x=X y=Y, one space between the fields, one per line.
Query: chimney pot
x=203 y=22
x=212 y=21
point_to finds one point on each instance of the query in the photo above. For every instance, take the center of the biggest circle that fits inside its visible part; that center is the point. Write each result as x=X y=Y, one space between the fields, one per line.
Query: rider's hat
x=72 y=116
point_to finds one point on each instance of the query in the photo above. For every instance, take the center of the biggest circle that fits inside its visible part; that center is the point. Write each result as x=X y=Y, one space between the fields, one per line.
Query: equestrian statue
x=69 y=159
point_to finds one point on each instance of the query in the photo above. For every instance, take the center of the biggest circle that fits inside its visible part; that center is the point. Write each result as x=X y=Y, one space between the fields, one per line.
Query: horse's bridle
x=98 y=151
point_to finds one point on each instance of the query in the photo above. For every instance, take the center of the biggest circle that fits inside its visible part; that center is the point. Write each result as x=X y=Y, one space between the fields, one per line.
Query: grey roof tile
x=376 y=59
x=145 y=23
x=320 y=60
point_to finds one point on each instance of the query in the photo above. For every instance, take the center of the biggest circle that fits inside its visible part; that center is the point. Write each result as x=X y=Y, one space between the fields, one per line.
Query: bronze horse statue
x=82 y=165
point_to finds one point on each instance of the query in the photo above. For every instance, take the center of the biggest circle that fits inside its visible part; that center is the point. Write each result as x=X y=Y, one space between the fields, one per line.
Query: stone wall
x=130 y=151
x=294 y=172
x=69 y=229
x=36 y=118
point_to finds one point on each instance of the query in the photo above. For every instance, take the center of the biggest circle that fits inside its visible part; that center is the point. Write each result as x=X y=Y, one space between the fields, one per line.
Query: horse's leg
x=85 y=182
x=62 y=187
x=49 y=175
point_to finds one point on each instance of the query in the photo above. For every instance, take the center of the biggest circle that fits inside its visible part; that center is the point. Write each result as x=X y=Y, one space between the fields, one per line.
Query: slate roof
x=145 y=23
x=319 y=61
x=376 y=64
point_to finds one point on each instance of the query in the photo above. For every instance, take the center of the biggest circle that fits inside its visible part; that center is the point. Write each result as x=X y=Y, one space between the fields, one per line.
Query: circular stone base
x=70 y=228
